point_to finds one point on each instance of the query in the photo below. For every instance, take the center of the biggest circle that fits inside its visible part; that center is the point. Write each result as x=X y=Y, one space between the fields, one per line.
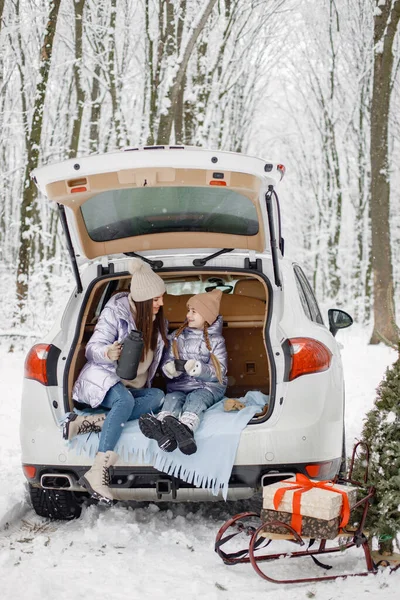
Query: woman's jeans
x=195 y=402
x=125 y=404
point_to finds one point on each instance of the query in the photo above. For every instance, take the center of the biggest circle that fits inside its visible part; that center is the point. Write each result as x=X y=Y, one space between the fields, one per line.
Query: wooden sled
x=250 y=525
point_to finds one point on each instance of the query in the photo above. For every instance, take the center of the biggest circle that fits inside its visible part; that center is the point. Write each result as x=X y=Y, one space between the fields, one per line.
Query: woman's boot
x=76 y=424
x=97 y=479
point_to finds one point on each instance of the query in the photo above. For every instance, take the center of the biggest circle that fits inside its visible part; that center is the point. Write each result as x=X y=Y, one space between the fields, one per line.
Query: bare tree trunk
x=96 y=96
x=178 y=117
x=205 y=81
x=79 y=6
x=21 y=64
x=166 y=120
x=29 y=189
x=166 y=47
x=2 y=209
x=337 y=196
x=362 y=202
x=386 y=20
x=154 y=66
x=2 y=2
x=195 y=108
x=95 y=110
x=111 y=75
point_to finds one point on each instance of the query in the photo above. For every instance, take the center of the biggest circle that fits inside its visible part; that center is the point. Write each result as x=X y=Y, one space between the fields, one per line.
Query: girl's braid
x=214 y=359
x=175 y=350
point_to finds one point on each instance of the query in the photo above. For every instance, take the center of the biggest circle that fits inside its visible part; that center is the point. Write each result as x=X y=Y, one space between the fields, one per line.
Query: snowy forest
x=312 y=84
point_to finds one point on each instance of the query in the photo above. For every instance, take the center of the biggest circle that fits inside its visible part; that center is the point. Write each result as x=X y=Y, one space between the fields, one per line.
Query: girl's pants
x=195 y=402
x=125 y=404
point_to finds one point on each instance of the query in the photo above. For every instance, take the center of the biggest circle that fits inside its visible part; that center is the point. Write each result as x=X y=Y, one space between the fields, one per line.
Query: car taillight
x=308 y=356
x=29 y=471
x=36 y=363
x=281 y=169
x=321 y=470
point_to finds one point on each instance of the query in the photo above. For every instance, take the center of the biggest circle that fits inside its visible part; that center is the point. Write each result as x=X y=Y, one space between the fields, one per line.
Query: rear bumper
x=148 y=484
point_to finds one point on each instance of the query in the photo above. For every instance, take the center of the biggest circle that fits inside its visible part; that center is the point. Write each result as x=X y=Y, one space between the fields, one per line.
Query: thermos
x=180 y=365
x=129 y=360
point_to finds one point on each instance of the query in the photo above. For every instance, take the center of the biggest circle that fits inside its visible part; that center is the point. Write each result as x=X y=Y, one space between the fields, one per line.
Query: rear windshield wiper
x=200 y=262
x=155 y=264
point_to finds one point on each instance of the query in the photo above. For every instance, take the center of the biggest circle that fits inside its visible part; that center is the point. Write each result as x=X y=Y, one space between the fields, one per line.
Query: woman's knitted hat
x=145 y=284
x=207 y=305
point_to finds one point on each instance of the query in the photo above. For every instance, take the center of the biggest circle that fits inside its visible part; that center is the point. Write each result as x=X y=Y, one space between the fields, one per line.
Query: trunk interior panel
x=244 y=316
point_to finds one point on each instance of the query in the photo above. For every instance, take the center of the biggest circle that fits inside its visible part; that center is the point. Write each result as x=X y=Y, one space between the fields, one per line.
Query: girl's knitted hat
x=145 y=284
x=207 y=305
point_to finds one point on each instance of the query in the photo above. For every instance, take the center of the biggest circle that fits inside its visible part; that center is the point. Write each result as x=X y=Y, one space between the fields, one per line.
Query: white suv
x=201 y=219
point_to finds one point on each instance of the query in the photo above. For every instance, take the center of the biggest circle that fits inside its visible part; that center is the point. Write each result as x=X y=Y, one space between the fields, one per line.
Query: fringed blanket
x=217 y=439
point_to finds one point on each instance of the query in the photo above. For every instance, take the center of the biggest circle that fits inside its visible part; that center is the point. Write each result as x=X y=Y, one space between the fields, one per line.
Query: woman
x=98 y=384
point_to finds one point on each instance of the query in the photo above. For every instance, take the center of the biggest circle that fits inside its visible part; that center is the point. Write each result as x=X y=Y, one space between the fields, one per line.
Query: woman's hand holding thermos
x=127 y=354
x=114 y=351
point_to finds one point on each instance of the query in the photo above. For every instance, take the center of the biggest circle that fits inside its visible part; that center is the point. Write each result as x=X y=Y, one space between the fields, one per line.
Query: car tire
x=59 y=505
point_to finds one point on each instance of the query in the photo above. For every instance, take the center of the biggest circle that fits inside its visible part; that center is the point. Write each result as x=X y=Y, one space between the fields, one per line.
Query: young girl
x=196 y=364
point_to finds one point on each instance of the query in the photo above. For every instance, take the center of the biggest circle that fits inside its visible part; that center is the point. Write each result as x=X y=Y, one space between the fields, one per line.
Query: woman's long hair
x=149 y=328
x=214 y=359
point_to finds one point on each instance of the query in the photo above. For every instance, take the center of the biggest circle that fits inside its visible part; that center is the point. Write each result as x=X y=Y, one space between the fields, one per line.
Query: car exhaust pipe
x=56 y=481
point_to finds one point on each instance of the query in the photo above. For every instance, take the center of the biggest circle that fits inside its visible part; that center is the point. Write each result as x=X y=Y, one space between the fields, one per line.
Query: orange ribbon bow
x=304 y=484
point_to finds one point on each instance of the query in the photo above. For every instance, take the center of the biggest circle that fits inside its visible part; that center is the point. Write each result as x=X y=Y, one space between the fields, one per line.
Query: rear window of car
x=130 y=212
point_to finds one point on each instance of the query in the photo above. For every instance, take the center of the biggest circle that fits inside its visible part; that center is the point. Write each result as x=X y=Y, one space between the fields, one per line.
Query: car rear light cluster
x=29 y=471
x=76 y=186
x=281 y=169
x=308 y=356
x=41 y=363
x=321 y=470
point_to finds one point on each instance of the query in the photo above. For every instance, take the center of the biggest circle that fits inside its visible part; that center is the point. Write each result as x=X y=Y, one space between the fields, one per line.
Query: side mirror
x=338 y=319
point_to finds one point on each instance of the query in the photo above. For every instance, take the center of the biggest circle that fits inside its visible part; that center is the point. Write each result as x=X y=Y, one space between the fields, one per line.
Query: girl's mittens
x=170 y=371
x=193 y=367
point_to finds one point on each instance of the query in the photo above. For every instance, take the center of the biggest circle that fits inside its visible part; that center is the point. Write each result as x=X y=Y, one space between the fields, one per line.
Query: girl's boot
x=183 y=431
x=76 y=424
x=152 y=427
x=97 y=479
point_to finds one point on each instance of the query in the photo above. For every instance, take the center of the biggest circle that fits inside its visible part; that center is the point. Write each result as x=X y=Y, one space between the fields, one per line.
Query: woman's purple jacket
x=98 y=375
x=191 y=345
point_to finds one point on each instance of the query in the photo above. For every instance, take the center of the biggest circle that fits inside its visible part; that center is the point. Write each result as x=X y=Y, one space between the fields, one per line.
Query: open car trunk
x=244 y=310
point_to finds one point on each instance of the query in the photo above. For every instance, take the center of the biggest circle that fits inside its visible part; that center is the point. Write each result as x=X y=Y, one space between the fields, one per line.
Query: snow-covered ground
x=156 y=551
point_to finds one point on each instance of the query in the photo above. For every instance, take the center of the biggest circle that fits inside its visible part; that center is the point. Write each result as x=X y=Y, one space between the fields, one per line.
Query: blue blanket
x=217 y=440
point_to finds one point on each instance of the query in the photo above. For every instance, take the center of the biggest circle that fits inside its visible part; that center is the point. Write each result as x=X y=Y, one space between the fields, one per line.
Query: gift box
x=309 y=506
x=310 y=527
